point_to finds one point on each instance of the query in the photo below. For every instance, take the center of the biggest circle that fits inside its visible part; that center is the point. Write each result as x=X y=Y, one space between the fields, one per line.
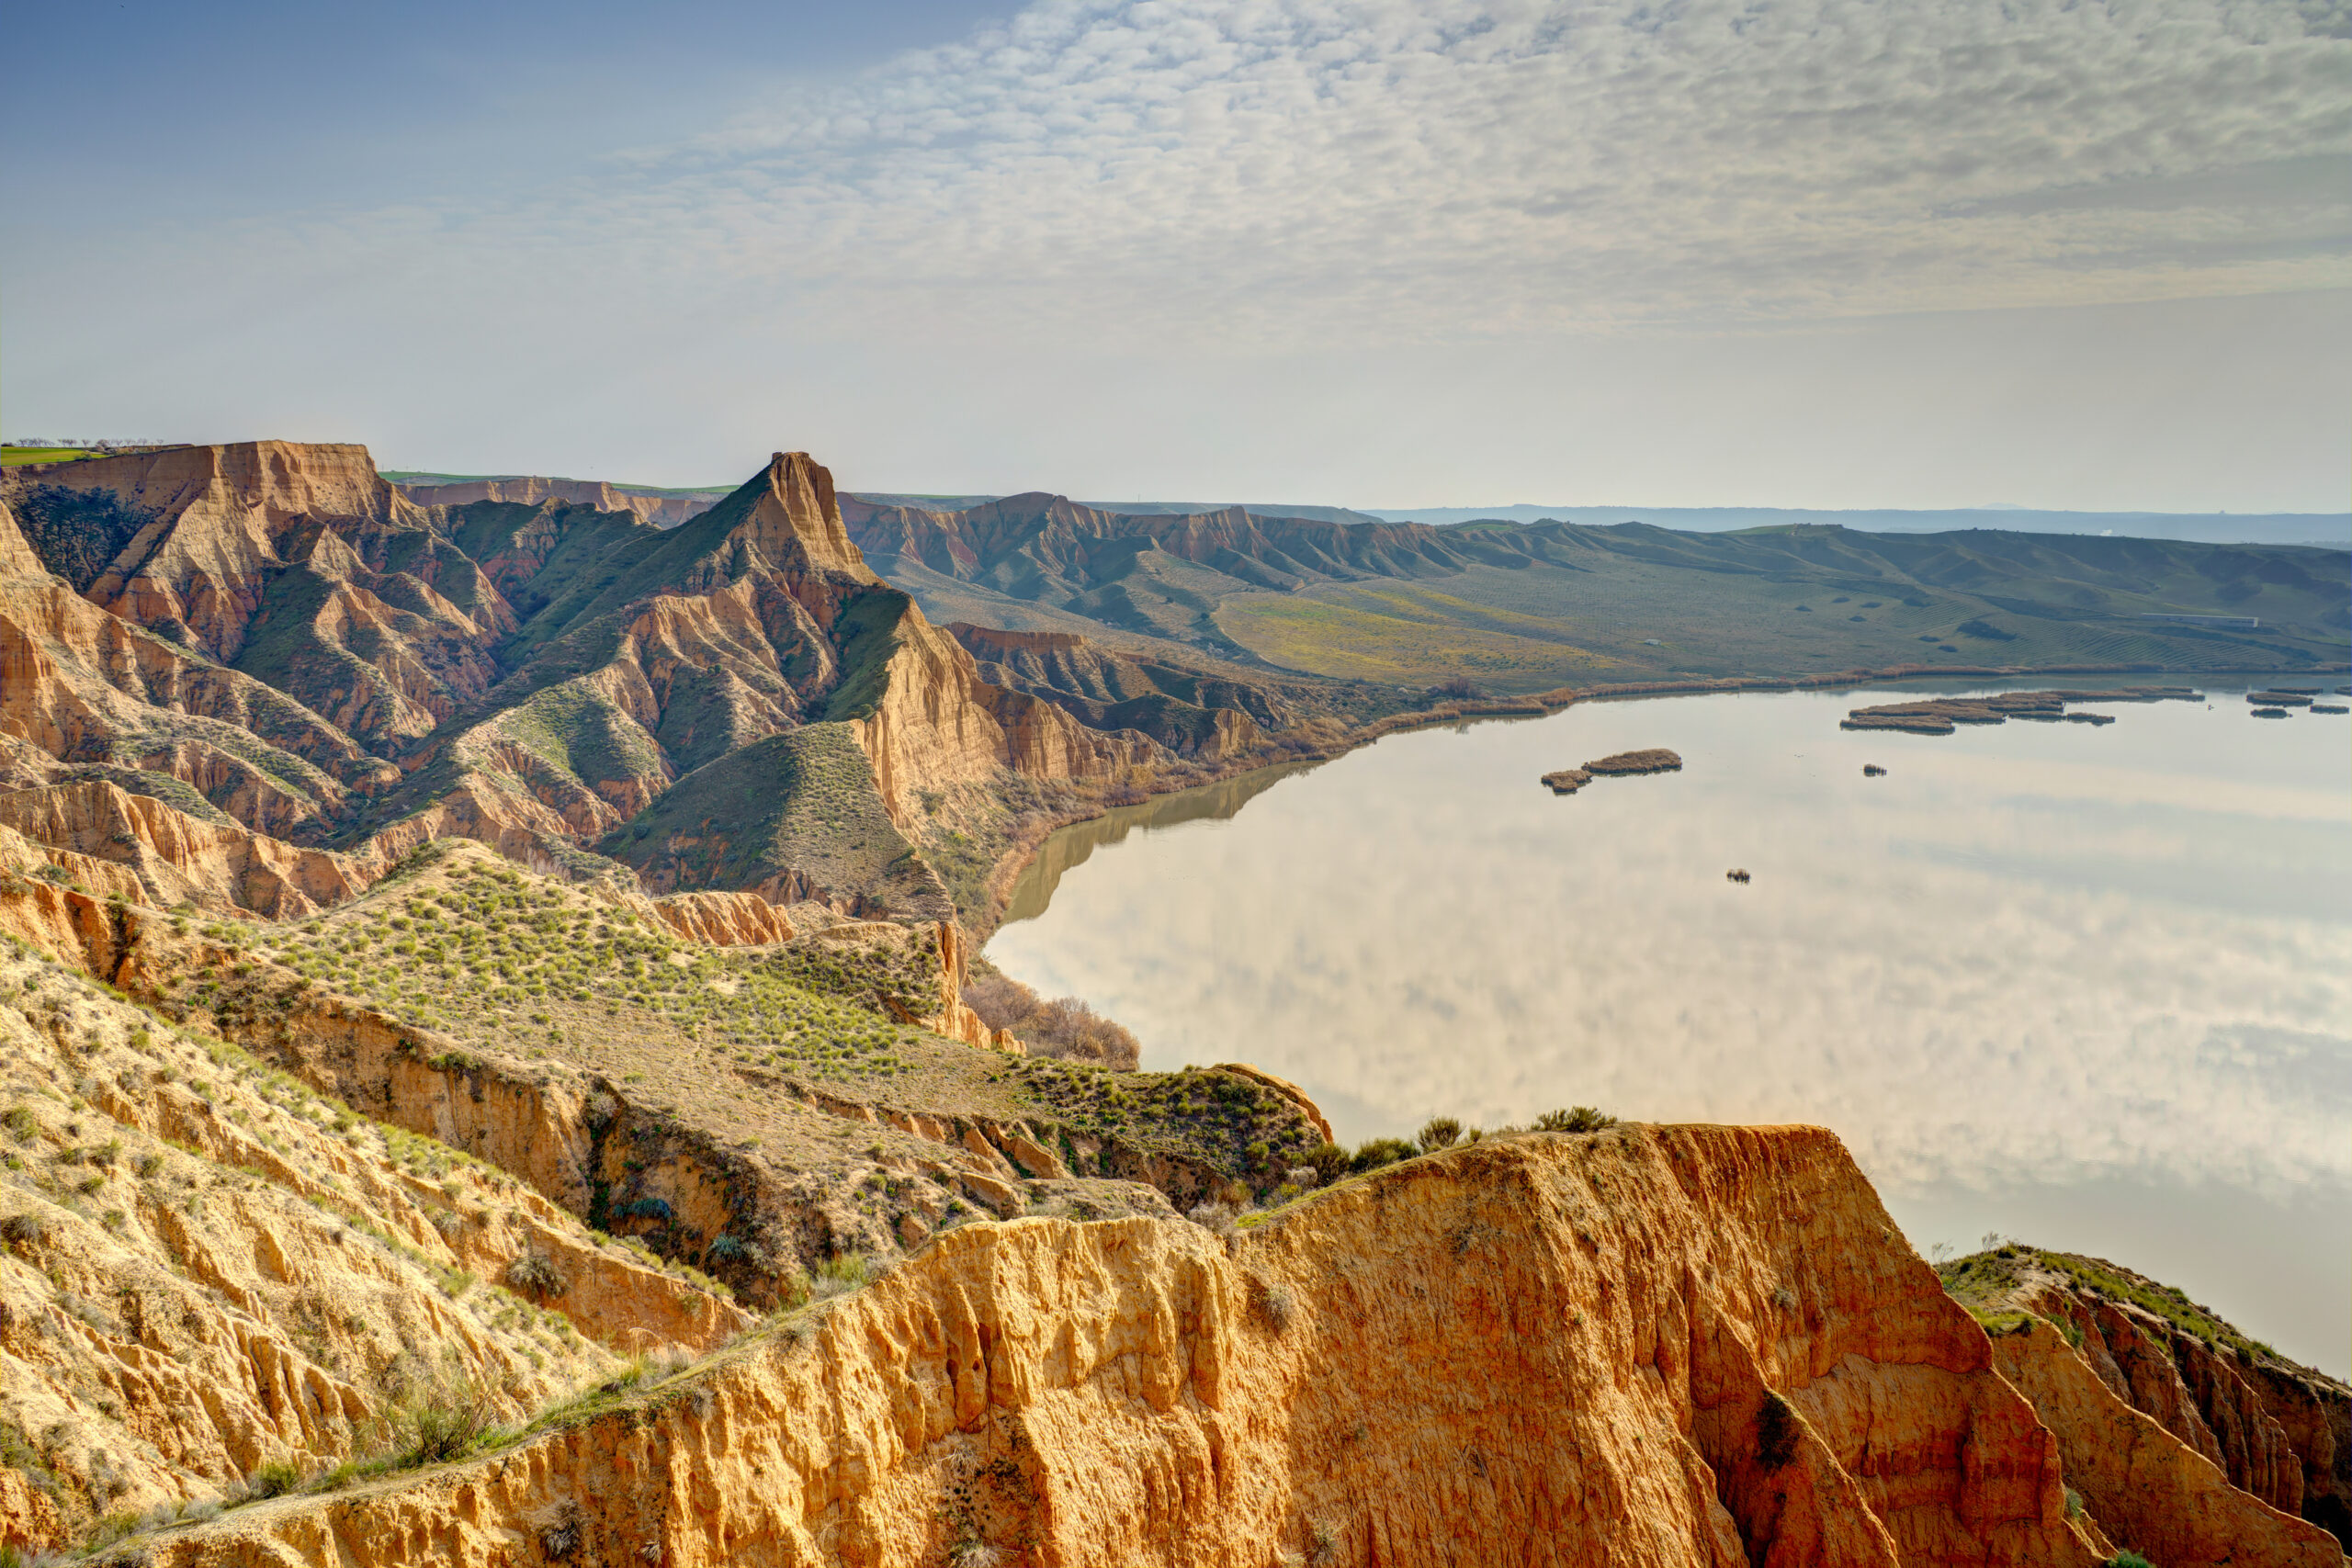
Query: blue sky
x=1795 y=253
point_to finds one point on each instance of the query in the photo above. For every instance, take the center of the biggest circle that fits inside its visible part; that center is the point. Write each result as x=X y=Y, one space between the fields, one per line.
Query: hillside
x=2142 y=1385
x=1524 y=608
x=490 y=1079
x=274 y=635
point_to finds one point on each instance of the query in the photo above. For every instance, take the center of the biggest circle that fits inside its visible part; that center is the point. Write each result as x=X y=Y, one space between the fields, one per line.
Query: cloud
x=1285 y=167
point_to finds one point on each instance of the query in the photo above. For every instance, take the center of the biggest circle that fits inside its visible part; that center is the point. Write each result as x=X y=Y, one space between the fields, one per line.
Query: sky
x=1366 y=253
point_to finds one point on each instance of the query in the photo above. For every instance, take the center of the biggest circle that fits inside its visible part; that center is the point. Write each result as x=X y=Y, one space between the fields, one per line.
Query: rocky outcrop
x=81 y=686
x=175 y=858
x=664 y=511
x=1667 y=1345
x=298 y=564
x=2148 y=1490
x=207 y=1269
x=724 y=920
x=1194 y=712
x=2263 y=1426
x=1284 y=1087
x=214 y=519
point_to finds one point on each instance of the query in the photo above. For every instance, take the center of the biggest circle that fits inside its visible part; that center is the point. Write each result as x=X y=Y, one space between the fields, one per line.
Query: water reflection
x=1068 y=850
x=2031 y=964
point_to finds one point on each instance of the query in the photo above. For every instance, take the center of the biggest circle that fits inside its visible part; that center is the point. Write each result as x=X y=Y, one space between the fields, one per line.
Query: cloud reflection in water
x=2045 y=955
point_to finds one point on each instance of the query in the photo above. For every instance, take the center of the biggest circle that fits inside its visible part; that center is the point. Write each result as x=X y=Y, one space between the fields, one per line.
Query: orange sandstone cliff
x=1653 y=1345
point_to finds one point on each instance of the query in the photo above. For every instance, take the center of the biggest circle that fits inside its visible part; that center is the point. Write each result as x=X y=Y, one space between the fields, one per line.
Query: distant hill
x=1528 y=607
x=2224 y=528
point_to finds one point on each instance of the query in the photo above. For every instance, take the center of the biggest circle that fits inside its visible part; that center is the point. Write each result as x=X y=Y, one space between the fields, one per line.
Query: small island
x=1942 y=715
x=1657 y=760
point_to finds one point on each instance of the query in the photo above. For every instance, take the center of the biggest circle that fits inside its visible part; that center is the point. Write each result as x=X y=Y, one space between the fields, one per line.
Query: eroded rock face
x=174 y=858
x=207 y=1269
x=663 y=511
x=2147 y=1488
x=2180 y=1388
x=724 y=920
x=530 y=675
x=81 y=687
x=1193 y=712
x=1546 y=1351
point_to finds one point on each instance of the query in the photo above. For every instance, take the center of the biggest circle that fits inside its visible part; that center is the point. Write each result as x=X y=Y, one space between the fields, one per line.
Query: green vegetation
x=15 y=457
x=1401 y=638
x=1779 y=1430
x=76 y=532
x=1577 y=1118
x=792 y=815
x=1524 y=608
x=1984 y=1283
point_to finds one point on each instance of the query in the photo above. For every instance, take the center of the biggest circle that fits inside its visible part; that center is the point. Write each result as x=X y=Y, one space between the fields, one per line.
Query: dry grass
x=1065 y=1028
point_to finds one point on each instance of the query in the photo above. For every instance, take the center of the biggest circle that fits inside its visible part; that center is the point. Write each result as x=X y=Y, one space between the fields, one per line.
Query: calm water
x=2088 y=986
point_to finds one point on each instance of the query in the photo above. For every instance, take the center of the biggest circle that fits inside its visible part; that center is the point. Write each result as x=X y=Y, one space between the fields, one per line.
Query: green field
x=15 y=457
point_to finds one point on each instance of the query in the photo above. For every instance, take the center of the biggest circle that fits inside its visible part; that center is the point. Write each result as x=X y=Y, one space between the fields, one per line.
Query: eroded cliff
x=2139 y=1382
x=1652 y=1346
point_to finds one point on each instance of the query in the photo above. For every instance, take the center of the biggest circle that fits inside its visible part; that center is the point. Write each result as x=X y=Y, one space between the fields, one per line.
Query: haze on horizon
x=1787 y=253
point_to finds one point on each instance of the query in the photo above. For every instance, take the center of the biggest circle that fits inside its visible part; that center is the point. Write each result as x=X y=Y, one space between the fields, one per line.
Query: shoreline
x=1006 y=873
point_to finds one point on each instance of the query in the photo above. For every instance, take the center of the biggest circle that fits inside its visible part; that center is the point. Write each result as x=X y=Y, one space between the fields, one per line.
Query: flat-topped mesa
x=531 y=489
x=185 y=538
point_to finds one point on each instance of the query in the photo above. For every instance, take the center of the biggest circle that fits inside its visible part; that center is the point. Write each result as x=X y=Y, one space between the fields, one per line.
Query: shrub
x=839 y=1276
x=534 y=1275
x=1373 y=1153
x=1779 y=1429
x=2073 y=1504
x=23 y=1229
x=21 y=1123
x=1277 y=1305
x=274 y=1480
x=1330 y=1162
x=1065 y=1027
x=1218 y=1217
x=441 y=1425
x=1437 y=1133
x=2129 y=1559
x=1577 y=1118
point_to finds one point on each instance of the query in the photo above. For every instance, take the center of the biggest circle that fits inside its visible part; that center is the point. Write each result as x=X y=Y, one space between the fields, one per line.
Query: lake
x=2087 y=986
